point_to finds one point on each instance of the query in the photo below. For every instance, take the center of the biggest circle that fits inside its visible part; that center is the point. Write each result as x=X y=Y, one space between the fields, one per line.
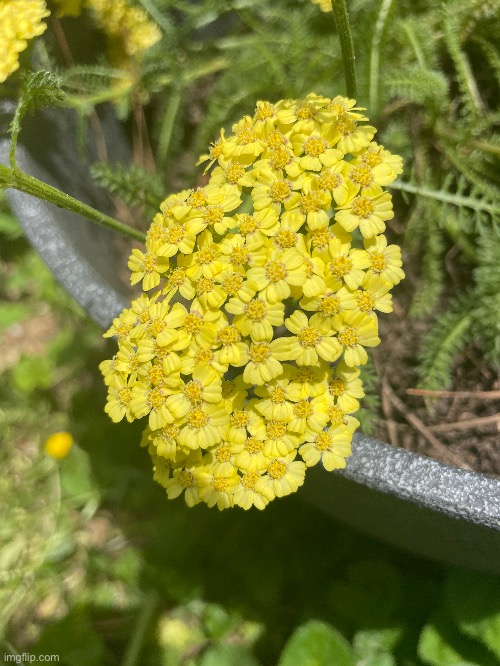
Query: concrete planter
x=408 y=500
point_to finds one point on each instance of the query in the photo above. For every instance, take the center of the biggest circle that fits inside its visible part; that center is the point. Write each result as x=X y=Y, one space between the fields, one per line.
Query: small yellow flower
x=58 y=444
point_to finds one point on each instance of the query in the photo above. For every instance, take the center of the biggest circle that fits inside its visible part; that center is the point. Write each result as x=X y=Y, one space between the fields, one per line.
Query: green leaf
x=372 y=646
x=74 y=640
x=10 y=227
x=227 y=654
x=434 y=650
x=352 y=597
x=473 y=600
x=217 y=621
x=316 y=644
x=32 y=373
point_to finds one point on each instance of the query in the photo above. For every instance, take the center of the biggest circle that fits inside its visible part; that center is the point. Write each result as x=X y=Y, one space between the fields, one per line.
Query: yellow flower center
x=193 y=322
x=259 y=352
x=193 y=391
x=185 y=479
x=248 y=225
x=366 y=302
x=277 y=395
x=171 y=431
x=315 y=146
x=239 y=418
x=310 y=202
x=302 y=409
x=245 y=137
x=157 y=398
x=198 y=198
x=144 y=317
x=156 y=327
x=323 y=441
x=197 y=418
x=124 y=395
x=340 y=266
x=280 y=157
x=275 y=139
x=161 y=352
x=234 y=172
x=206 y=255
x=329 y=181
x=175 y=234
x=277 y=469
x=279 y=191
x=215 y=150
x=338 y=107
x=346 y=125
x=157 y=232
x=335 y=414
x=306 y=111
x=361 y=175
x=220 y=484
x=373 y=157
x=156 y=375
x=223 y=453
x=337 y=386
x=305 y=376
x=233 y=283
x=330 y=306
x=213 y=215
x=349 y=336
x=149 y=262
x=253 y=445
x=204 y=355
x=320 y=238
x=309 y=336
x=239 y=255
x=256 y=310
x=264 y=110
x=249 y=480
x=377 y=262
x=177 y=276
x=228 y=335
x=362 y=207
x=276 y=429
x=285 y=239
x=122 y=330
x=205 y=285
x=276 y=271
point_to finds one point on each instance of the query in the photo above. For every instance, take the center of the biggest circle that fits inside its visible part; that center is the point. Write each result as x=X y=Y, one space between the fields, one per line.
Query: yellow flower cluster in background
x=324 y=5
x=20 y=21
x=263 y=292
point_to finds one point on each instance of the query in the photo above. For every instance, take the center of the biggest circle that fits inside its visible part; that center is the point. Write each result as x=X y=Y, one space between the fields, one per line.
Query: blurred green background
x=97 y=567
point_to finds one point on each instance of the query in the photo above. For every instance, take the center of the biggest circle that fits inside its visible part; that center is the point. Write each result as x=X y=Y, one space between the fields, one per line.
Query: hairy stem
x=18 y=180
x=346 y=46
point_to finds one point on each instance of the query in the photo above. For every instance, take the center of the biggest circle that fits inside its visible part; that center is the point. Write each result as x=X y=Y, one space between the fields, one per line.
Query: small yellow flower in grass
x=147 y=267
x=331 y=446
x=276 y=274
x=217 y=487
x=247 y=493
x=278 y=439
x=263 y=361
x=58 y=444
x=384 y=260
x=345 y=389
x=183 y=481
x=256 y=317
x=204 y=427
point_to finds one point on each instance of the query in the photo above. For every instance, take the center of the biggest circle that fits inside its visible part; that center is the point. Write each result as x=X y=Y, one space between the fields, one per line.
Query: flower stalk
x=346 y=46
x=21 y=181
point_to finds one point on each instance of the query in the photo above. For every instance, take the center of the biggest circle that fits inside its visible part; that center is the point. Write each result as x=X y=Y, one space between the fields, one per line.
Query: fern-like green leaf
x=442 y=343
x=421 y=86
x=134 y=185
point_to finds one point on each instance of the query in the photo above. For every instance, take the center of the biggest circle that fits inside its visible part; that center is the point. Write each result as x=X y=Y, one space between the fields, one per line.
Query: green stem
x=375 y=54
x=167 y=125
x=134 y=647
x=22 y=181
x=346 y=46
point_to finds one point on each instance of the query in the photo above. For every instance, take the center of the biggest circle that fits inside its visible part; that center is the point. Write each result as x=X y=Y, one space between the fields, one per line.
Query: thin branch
x=483 y=395
x=466 y=424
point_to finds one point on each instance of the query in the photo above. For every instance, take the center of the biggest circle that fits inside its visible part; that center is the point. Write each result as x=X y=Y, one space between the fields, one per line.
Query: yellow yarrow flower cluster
x=20 y=21
x=127 y=25
x=324 y=5
x=263 y=291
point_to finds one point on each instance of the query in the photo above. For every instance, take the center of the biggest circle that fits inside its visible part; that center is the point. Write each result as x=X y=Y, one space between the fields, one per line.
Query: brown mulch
x=460 y=426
